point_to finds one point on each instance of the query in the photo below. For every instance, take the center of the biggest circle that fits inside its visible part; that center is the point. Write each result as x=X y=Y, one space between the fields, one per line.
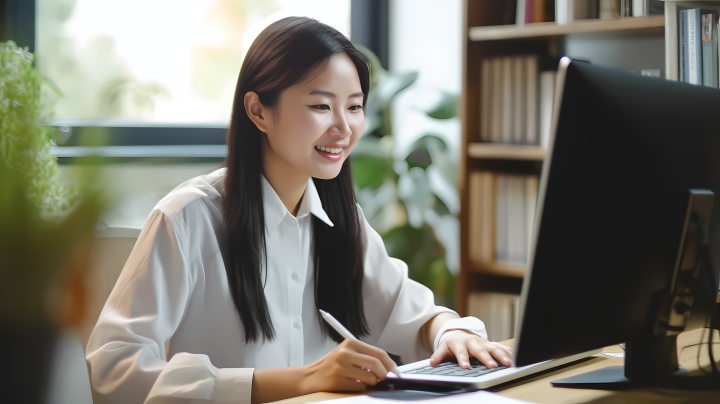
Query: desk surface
x=539 y=390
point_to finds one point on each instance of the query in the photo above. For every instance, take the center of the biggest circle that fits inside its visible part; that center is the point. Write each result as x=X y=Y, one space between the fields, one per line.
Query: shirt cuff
x=233 y=385
x=469 y=324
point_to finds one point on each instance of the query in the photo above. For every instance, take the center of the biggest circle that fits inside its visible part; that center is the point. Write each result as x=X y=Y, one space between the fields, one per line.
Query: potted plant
x=409 y=196
x=43 y=228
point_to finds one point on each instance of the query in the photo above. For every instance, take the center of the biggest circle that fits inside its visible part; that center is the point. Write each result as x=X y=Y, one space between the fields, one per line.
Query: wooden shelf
x=496 y=268
x=551 y=29
x=505 y=151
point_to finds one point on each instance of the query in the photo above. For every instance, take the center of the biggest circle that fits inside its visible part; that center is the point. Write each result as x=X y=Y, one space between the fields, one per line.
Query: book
x=530 y=11
x=639 y=8
x=709 y=49
x=547 y=98
x=507 y=100
x=485 y=97
x=501 y=220
x=488 y=208
x=496 y=101
x=609 y=9
x=626 y=8
x=584 y=9
x=563 y=14
x=544 y=10
x=519 y=100
x=694 y=46
x=531 y=99
x=531 y=190
x=520 y=12
x=498 y=311
x=516 y=221
x=682 y=46
x=475 y=213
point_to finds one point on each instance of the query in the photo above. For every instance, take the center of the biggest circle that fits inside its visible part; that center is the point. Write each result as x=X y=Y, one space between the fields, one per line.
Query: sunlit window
x=162 y=61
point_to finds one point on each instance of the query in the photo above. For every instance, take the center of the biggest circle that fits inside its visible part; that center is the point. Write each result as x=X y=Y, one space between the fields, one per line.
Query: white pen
x=348 y=335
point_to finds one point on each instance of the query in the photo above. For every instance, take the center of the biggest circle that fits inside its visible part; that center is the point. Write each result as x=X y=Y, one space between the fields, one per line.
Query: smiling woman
x=231 y=268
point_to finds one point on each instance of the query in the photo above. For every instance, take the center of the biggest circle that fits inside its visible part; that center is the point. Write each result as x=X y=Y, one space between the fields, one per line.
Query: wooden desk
x=539 y=390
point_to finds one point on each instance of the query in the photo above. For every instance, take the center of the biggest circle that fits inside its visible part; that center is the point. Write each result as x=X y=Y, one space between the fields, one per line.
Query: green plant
x=41 y=223
x=24 y=140
x=409 y=196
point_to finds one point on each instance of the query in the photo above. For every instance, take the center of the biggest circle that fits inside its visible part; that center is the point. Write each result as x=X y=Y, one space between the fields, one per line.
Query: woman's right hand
x=351 y=366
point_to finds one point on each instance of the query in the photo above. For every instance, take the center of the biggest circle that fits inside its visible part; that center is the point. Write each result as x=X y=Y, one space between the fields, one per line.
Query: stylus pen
x=348 y=335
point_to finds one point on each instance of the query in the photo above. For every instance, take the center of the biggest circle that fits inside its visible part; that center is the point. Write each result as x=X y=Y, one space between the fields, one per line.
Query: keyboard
x=478 y=376
x=453 y=369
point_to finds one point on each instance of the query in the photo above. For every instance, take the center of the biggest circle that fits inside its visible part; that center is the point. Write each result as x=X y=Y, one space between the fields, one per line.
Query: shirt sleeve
x=396 y=307
x=126 y=352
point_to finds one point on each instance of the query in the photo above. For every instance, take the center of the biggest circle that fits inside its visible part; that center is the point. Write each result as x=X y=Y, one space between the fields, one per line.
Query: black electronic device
x=626 y=229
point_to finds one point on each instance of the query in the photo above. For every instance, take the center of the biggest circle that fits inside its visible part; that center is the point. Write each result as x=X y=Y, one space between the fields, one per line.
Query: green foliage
x=412 y=211
x=40 y=227
x=24 y=141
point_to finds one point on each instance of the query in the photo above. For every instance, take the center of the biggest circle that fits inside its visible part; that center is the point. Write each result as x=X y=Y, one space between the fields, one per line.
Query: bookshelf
x=541 y=30
x=487 y=38
x=671 y=31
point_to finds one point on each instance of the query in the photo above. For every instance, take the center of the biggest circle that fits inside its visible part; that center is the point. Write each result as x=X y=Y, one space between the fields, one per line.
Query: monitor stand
x=649 y=364
x=651 y=359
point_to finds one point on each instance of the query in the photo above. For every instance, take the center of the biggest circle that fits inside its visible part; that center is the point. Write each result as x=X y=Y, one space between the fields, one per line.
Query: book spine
x=531 y=97
x=501 y=252
x=520 y=12
x=489 y=217
x=694 y=47
x=717 y=52
x=708 y=73
x=485 y=91
x=714 y=50
x=475 y=182
x=639 y=8
x=496 y=100
x=682 y=33
x=531 y=190
x=507 y=100
x=519 y=115
x=562 y=11
x=530 y=11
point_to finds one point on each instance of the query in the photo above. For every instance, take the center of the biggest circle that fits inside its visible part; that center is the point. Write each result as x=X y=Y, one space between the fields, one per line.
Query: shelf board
x=505 y=151
x=497 y=268
x=550 y=29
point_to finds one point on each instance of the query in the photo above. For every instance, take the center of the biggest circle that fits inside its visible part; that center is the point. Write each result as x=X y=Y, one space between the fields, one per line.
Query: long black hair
x=283 y=55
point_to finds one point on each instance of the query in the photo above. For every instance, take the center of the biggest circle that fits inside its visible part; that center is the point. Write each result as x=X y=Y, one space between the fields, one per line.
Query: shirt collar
x=275 y=210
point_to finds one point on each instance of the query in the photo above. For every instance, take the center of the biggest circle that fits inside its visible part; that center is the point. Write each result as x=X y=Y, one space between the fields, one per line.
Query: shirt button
x=296 y=325
x=295 y=277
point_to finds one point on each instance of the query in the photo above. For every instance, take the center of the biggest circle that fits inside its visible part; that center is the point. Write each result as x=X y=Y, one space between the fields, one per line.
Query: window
x=122 y=62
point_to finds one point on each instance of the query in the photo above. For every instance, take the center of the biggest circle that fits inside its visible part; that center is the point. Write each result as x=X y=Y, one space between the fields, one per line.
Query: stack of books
x=698 y=52
x=516 y=100
x=502 y=213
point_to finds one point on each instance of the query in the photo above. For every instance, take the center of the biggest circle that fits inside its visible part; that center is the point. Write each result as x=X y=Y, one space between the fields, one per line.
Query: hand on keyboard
x=462 y=345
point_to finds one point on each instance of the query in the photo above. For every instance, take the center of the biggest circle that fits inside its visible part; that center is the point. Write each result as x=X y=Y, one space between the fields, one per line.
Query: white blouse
x=169 y=331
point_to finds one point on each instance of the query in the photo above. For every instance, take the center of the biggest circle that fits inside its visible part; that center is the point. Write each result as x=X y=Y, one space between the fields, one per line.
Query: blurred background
x=133 y=97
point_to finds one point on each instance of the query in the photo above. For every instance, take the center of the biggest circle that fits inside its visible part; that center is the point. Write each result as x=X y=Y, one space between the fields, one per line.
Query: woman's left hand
x=461 y=345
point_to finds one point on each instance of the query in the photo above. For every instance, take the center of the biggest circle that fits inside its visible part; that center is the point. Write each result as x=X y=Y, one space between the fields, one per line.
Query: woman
x=219 y=299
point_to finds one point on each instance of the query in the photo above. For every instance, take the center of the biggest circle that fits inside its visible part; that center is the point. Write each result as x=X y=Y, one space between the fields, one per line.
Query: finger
x=442 y=353
x=499 y=354
x=479 y=352
x=376 y=352
x=350 y=385
x=370 y=363
x=459 y=349
x=361 y=375
x=506 y=348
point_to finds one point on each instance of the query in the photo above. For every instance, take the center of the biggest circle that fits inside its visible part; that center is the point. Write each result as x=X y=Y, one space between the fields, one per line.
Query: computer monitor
x=627 y=186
